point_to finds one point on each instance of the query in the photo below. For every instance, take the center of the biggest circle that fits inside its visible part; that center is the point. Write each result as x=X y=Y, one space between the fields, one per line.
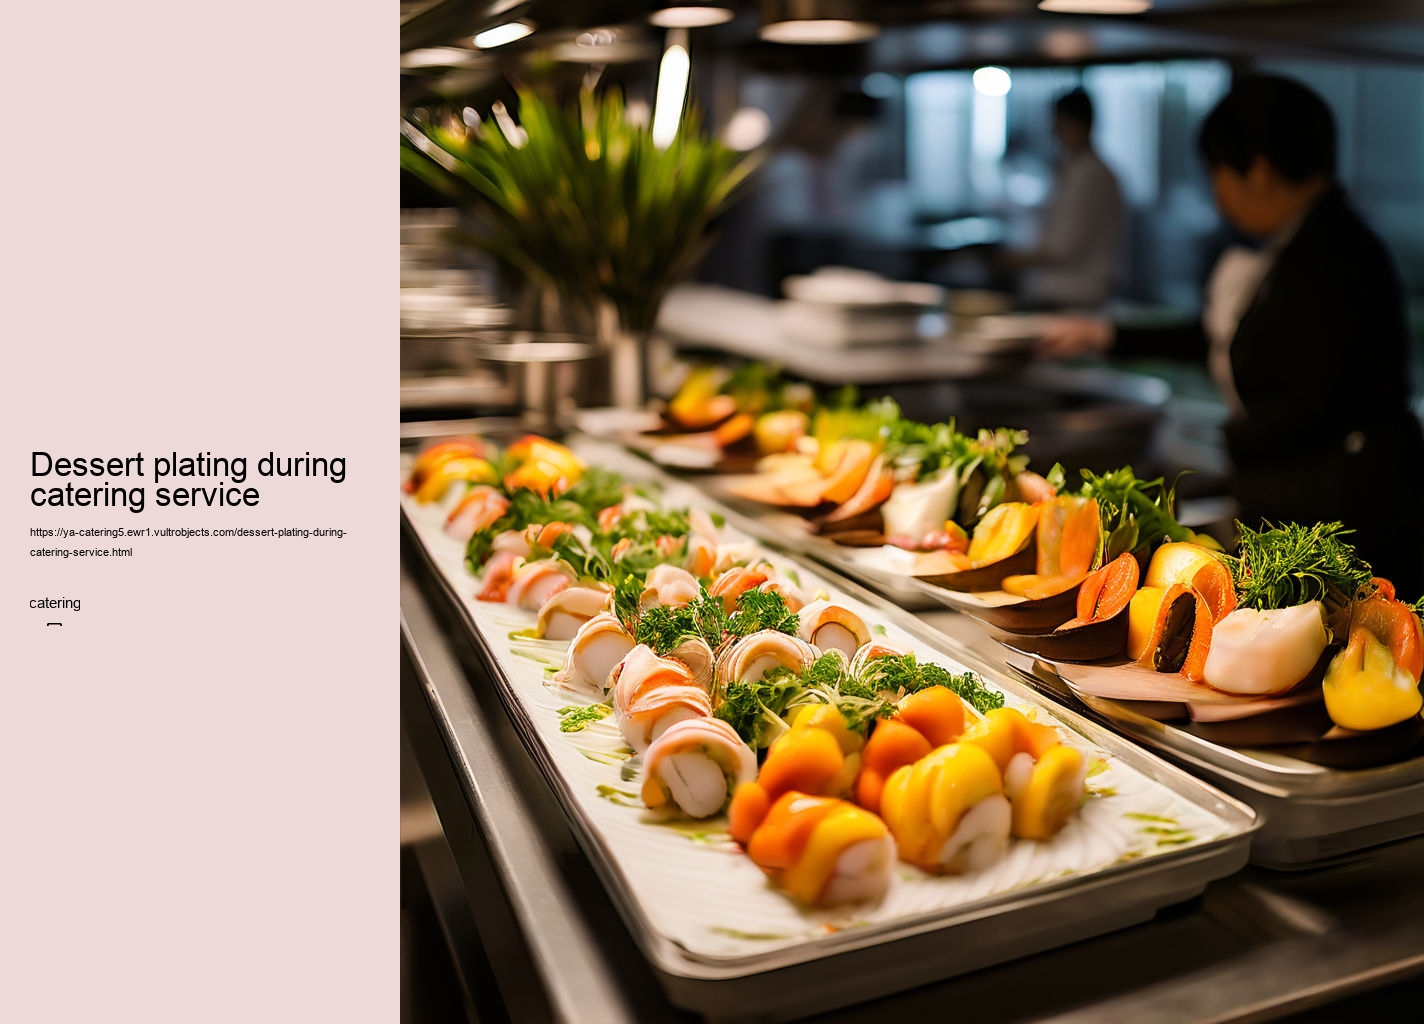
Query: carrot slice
x=750 y=804
x=892 y=745
x=803 y=759
x=785 y=830
x=935 y=712
x=1037 y=587
x=1108 y=591
x=1194 y=664
x=1068 y=533
x=850 y=472
x=871 y=494
x=736 y=428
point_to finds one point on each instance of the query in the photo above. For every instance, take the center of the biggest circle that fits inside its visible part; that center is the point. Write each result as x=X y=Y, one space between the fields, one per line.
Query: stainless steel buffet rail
x=1255 y=947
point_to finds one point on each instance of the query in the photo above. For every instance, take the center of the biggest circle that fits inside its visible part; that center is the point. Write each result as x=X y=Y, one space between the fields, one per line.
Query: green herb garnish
x=904 y=673
x=579 y=718
x=626 y=595
x=663 y=628
x=1287 y=565
x=761 y=609
x=756 y=709
x=1135 y=514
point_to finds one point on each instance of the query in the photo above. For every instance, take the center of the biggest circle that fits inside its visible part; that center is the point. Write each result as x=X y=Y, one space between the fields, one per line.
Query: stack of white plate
x=837 y=308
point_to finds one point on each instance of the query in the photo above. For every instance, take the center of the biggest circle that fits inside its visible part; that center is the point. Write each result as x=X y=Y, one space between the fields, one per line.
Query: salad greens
x=1136 y=514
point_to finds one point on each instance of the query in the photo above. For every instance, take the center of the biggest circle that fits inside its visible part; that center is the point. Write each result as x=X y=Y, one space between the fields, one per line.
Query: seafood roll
x=696 y=654
x=669 y=585
x=568 y=609
x=823 y=851
x=1045 y=779
x=829 y=626
x=498 y=573
x=695 y=765
x=733 y=583
x=598 y=647
x=869 y=652
x=947 y=811
x=533 y=583
x=476 y=511
x=650 y=694
x=751 y=657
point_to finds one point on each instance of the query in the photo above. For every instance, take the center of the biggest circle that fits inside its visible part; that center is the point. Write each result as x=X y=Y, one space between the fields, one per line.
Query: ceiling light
x=502 y=34
x=1066 y=44
x=815 y=22
x=436 y=57
x=747 y=129
x=690 y=17
x=672 y=93
x=1094 y=6
x=992 y=82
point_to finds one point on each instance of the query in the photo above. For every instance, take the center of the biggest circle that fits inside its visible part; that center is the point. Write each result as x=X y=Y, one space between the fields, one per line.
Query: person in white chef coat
x=1077 y=260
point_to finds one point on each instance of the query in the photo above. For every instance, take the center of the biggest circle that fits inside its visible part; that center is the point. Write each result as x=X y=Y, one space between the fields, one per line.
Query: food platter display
x=1318 y=668
x=714 y=914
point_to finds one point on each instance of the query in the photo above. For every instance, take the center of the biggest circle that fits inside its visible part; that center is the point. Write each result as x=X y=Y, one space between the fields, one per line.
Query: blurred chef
x=1076 y=261
x=1306 y=337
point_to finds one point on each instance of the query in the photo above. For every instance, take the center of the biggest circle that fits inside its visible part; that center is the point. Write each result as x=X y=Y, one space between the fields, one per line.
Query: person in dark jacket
x=1307 y=338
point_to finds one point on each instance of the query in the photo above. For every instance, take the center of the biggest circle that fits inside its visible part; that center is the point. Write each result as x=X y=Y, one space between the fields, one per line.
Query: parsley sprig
x=758 y=710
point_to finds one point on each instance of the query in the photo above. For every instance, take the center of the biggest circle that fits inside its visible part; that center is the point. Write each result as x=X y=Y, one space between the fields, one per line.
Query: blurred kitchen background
x=913 y=141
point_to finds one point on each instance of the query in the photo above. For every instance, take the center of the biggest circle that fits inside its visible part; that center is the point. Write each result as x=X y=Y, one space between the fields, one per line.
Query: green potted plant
x=580 y=201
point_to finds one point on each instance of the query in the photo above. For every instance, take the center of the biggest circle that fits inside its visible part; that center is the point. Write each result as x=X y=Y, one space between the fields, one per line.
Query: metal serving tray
x=831 y=967
x=1310 y=812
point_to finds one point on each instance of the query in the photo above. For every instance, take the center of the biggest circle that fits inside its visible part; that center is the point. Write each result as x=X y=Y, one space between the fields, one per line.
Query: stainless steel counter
x=535 y=938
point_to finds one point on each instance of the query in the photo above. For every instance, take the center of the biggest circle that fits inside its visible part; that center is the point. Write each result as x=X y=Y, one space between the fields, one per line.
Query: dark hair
x=1273 y=117
x=1075 y=106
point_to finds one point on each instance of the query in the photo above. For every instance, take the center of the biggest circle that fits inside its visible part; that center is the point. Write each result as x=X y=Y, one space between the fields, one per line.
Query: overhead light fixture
x=992 y=82
x=815 y=22
x=1095 y=6
x=672 y=93
x=501 y=35
x=690 y=17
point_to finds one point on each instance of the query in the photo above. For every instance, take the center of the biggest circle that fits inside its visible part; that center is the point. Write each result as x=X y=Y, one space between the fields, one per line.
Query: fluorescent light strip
x=672 y=92
x=1095 y=6
x=502 y=34
x=819 y=32
x=690 y=17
